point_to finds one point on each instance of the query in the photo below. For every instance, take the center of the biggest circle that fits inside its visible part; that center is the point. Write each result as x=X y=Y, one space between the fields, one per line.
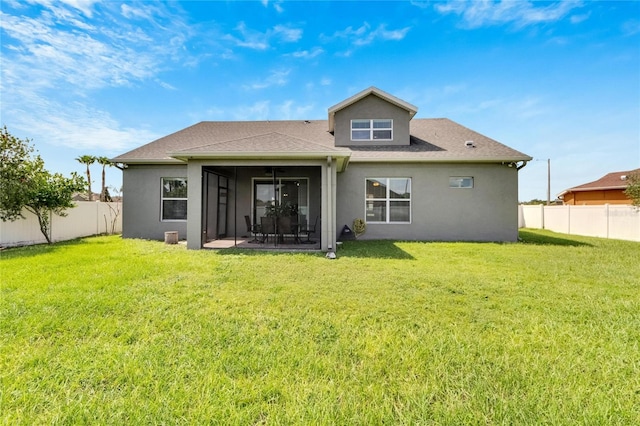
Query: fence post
x=542 y=216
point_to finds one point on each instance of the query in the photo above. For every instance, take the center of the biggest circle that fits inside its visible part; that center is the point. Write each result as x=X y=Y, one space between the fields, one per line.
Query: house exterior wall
x=141 y=201
x=486 y=212
x=371 y=107
x=596 y=197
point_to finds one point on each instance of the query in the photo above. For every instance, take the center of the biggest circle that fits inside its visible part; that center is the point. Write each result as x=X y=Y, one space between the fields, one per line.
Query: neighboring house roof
x=366 y=92
x=614 y=180
x=432 y=140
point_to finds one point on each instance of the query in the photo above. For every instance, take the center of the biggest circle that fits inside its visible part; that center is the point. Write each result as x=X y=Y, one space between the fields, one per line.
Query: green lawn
x=110 y=331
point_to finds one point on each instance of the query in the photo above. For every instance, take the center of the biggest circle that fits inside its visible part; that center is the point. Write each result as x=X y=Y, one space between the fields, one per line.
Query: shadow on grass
x=376 y=249
x=44 y=248
x=536 y=238
x=264 y=252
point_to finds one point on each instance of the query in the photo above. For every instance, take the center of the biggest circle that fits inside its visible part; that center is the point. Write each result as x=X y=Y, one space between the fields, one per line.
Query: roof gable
x=411 y=109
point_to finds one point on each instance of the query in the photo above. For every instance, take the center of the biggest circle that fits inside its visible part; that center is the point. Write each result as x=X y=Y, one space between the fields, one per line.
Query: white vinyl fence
x=87 y=218
x=607 y=221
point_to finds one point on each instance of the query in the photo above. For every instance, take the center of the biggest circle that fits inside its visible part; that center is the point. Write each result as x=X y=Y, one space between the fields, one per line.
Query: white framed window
x=461 y=182
x=173 y=205
x=388 y=200
x=369 y=130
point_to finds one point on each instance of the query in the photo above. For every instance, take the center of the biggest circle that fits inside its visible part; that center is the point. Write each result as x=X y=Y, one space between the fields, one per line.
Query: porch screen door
x=221 y=226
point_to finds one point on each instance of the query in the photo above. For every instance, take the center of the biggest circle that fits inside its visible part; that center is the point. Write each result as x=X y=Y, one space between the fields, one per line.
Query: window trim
x=461 y=179
x=388 y=200
x=372 y=129
x=163 y=198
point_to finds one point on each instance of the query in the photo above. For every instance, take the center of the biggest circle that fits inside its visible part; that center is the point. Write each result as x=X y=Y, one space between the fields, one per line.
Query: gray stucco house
x=409 y=179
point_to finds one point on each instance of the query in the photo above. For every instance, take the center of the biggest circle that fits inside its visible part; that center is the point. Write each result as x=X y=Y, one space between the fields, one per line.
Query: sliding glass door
x=281 y=195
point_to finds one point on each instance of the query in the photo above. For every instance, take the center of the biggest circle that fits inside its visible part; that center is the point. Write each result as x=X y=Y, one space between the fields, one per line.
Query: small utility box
x=171 y=237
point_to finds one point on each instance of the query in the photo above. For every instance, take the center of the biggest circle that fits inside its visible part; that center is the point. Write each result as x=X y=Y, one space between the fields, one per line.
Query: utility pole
x=548 y=181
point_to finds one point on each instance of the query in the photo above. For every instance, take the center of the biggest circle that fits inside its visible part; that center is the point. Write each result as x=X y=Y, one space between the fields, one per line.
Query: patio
x=245 y=243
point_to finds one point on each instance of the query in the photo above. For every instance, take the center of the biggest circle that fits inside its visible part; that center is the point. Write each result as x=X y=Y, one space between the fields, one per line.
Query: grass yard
x=110 y=331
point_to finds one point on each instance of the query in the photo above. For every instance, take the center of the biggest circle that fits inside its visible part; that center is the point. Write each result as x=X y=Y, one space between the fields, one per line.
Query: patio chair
x=308 y=230
x=267 y=227
x=253 y=230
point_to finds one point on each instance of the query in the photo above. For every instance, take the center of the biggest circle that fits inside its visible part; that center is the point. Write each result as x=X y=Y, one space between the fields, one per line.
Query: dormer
x=371 y=118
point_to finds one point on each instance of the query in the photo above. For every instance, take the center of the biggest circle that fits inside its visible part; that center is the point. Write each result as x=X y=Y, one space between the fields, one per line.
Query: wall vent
x=469 y=144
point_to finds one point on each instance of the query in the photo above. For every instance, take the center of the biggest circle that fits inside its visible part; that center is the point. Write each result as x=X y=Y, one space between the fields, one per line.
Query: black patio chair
x=267 y=227
x=308 y=230
x=253 y=230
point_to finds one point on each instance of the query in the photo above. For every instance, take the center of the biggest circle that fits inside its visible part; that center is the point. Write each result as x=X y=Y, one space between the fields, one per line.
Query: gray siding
x=371 y=107
x=141 y=201
x=487 y=212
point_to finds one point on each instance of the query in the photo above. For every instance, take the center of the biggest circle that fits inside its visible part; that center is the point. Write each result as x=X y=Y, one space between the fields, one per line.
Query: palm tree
x=88 y=160
x=104 y=161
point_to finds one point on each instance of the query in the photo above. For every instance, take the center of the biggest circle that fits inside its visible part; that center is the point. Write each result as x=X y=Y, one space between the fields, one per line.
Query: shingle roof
x=268 y=142
x=614 y=180
x=437 y=139
x=440 y=139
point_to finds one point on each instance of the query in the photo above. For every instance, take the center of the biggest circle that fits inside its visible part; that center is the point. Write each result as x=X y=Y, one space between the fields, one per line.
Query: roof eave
x=438 y=160
x=120 y=160
x=341 y=157
x=595 y=188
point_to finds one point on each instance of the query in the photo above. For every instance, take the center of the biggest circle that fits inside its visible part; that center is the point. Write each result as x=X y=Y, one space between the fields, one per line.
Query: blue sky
x=555 y=80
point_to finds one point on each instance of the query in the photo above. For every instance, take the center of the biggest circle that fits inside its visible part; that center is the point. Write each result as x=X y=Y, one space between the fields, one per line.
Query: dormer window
x=369 y=130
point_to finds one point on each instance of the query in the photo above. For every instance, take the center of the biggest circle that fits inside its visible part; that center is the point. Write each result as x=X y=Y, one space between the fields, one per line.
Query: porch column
x=194 y=205
x=329 y=178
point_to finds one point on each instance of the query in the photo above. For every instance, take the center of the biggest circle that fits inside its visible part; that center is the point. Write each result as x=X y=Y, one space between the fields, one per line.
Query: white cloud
x=308 y=54
x=257 y=40
x=276 y=78
x=479 y=13
x=258 y=111
x=77 y=125
x=84 y=6
x=277 y=5
x=364 y=35
x=631 y=27
x=130 y=12
x=72 y=49
x=86 y=56
x=288 y=34
x=290 y=111
x=576 y=19
x=265 y=110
